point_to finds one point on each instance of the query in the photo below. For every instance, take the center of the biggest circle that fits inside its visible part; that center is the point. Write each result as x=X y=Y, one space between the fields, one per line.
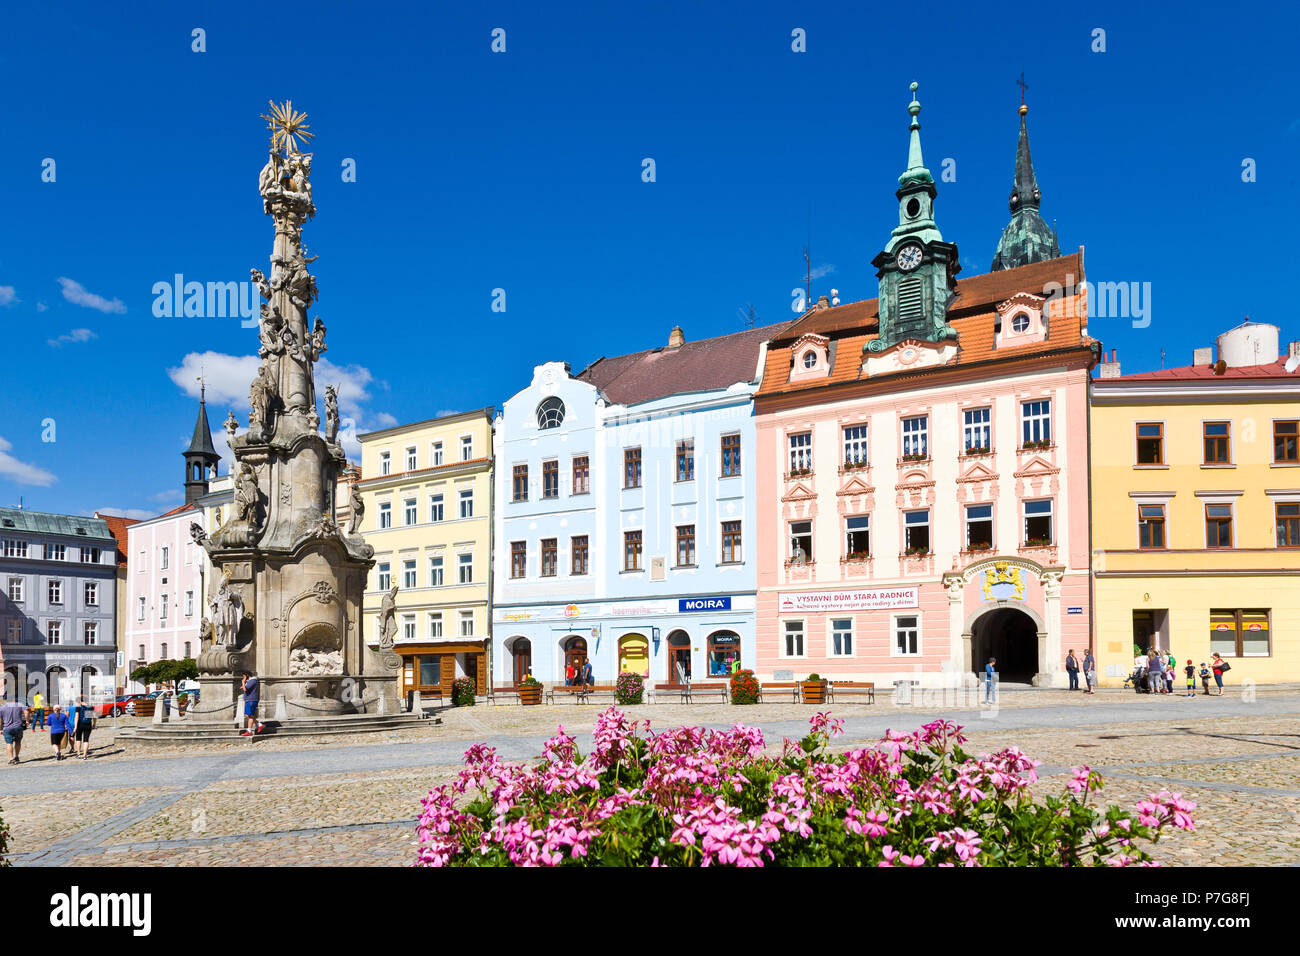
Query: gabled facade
x=625 y=507
x=922 y=469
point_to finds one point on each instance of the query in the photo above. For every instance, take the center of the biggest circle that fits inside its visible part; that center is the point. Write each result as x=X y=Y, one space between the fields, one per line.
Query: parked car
x=118 y=706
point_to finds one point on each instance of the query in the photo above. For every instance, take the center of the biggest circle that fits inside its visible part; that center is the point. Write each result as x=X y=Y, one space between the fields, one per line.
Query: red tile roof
x=177 y=510
x=117 y=528
x=972 y=313
x=698 y=366
x=1196 y=373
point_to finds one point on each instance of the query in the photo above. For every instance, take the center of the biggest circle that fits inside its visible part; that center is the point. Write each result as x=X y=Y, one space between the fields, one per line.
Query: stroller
x=1138 y=681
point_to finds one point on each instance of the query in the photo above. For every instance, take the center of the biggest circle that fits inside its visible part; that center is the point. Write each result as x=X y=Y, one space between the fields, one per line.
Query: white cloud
x=172 y=494
x=7 y=295
x=820 y=271
x=139 y=514
x=21 y=471
x=41 y=306
x=76 y=335
x=76 y=293
x=228 y=376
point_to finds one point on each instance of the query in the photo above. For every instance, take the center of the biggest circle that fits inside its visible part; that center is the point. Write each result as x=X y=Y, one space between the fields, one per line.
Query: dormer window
x=1021 y=319
x=810 y=359
x=1020 y=323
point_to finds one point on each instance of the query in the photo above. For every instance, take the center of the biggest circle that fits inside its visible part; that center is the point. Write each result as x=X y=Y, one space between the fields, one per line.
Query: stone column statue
x=331 y=414
x=358 y=509
x=388 y=620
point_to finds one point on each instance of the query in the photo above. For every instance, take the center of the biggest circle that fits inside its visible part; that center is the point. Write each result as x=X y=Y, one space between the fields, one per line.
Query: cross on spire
x=1023 y=86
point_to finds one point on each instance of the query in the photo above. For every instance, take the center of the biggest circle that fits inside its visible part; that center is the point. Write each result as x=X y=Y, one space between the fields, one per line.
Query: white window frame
x=15 y=589
x=384 y=518
x=1035 y=425
x=89 y=633
x=893 y=634
x=437 y=508
x=833 y=631
x=799 y=447
x=966 y=520
x=848 y=531
x=385 y=462
x=54 y=591
x=915 y=436
x=437 y=571
x=786 y=634
x=976 y=433
x=56 y=552
x=164 y=558
x=465 y=565
x=1024 y=519
x=435 y=454
x=464 y=618
x=384 y=575
x=857 y=447
x=411 y=511
x=14 y=630
x=465 y=496
x=53 y=632
x=141 y=609
x=90 y=593
x=15 y=548
x=435 y=625
x=412 y=458
x=466 y=446
x=410 y=573
x=408 y=627
x=789 y=539
x=189 y=603
x=162 y=607
x=928 y=525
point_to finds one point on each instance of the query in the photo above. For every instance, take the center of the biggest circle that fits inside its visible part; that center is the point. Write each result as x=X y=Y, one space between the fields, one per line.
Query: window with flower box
x=1036 y=424
x=1038 y=523
x=801 y=542
x=855 y=446
x=916 y=532
x=977 y=436
x=857 y=537
x=979 y=527
x=800 y=447
x=916 y=438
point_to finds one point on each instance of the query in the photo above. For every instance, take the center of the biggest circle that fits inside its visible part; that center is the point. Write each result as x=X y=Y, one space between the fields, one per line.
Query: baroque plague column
x=289 y=581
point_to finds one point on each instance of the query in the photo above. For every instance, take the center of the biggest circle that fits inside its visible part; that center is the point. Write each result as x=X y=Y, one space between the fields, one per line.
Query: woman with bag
x=1219 y=665
x=83 y=724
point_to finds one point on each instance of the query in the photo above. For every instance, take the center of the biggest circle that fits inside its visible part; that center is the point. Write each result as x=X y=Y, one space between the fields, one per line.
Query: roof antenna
x=807 y=287
x=1162 y=358
x=747 y=317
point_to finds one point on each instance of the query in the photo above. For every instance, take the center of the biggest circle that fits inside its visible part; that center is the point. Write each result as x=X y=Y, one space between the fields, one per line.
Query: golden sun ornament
x=286 y=125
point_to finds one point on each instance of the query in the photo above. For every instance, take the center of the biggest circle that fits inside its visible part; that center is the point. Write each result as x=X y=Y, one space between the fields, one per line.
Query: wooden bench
x=707 y=690
x=579 y=694
x=503 y=694
x=780 y=687
x=852 y=687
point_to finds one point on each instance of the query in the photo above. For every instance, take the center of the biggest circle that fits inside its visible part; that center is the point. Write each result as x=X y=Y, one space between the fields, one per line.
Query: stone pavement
x=353 y=801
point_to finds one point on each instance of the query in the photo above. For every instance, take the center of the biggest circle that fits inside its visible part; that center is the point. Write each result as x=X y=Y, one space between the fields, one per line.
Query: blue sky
x=522 y=171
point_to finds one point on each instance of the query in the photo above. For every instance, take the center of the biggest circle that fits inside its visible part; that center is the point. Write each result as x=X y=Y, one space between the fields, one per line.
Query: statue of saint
x=260 y=393
x=317 y=340
x=388 y=619
x=331 y=413
x=358 y=509
x=227 y=614
x=247 y=496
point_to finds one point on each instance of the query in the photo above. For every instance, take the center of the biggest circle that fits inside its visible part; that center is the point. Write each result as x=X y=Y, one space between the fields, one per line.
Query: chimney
x=676 y=338
x=823 y=303
x=1203 y=356
x=1109 y=369
x=1293 y=349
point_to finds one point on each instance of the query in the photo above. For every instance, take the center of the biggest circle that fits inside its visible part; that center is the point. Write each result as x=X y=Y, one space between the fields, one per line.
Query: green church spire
x=916 y=171
x=1026 y=238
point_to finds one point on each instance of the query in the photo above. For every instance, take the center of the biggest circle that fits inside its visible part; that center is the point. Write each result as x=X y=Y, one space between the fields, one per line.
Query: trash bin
x=903 y=692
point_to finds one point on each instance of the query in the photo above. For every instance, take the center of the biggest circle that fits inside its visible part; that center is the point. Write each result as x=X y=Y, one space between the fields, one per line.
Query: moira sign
x=870 y=599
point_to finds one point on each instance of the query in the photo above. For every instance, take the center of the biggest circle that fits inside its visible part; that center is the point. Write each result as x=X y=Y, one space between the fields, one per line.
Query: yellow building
x=1196 y=511
x=426 y=492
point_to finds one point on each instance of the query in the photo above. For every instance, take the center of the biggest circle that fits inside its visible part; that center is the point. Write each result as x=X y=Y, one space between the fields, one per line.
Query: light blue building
x=625 y=499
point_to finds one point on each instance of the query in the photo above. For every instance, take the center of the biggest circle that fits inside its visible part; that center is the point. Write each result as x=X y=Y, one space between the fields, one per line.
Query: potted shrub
x=917 y=551
x=1036 y=445
x=744 y=687
x=629 y=688
x=530 y=691
x=1038 y=542
x=813 y=689
x=915 y=457
x=462 y=692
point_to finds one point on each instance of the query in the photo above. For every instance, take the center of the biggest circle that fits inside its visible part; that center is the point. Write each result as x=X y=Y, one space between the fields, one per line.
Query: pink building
x=166 y=569
x=922 y=463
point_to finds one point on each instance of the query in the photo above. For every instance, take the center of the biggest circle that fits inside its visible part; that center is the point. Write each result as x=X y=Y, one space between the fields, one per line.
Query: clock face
x=909 y=257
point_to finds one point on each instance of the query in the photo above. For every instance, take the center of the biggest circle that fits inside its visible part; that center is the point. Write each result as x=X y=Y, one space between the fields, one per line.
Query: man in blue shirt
x=13 y=721
x=252 y=693
x=990 y=675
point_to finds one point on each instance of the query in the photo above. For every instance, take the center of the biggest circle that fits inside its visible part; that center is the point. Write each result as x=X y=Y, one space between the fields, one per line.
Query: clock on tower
x=917 y=269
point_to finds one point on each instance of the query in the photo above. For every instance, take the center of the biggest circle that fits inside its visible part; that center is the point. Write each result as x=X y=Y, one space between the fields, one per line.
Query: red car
x=117 y=707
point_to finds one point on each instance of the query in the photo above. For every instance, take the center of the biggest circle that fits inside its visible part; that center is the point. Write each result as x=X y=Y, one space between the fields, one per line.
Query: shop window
x=1240 y=633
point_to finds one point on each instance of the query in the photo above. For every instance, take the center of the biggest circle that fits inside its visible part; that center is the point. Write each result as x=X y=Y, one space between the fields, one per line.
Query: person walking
x=587 y=677
x=83 y=722
x=990 y=675
x=252 y=692
x=1155 y=674
x=58 y=731
x=1219 y=665
x=1190 y=671
x=38 y=711
x=569 y=674
x=13 y=721
x=1089 y=670
x=1072 y=668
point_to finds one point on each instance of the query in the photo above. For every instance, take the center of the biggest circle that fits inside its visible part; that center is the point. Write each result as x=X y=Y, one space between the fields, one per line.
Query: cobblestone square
x=353 y=801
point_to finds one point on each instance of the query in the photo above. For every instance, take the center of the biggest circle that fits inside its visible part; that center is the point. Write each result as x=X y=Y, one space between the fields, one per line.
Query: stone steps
x=185 y=732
